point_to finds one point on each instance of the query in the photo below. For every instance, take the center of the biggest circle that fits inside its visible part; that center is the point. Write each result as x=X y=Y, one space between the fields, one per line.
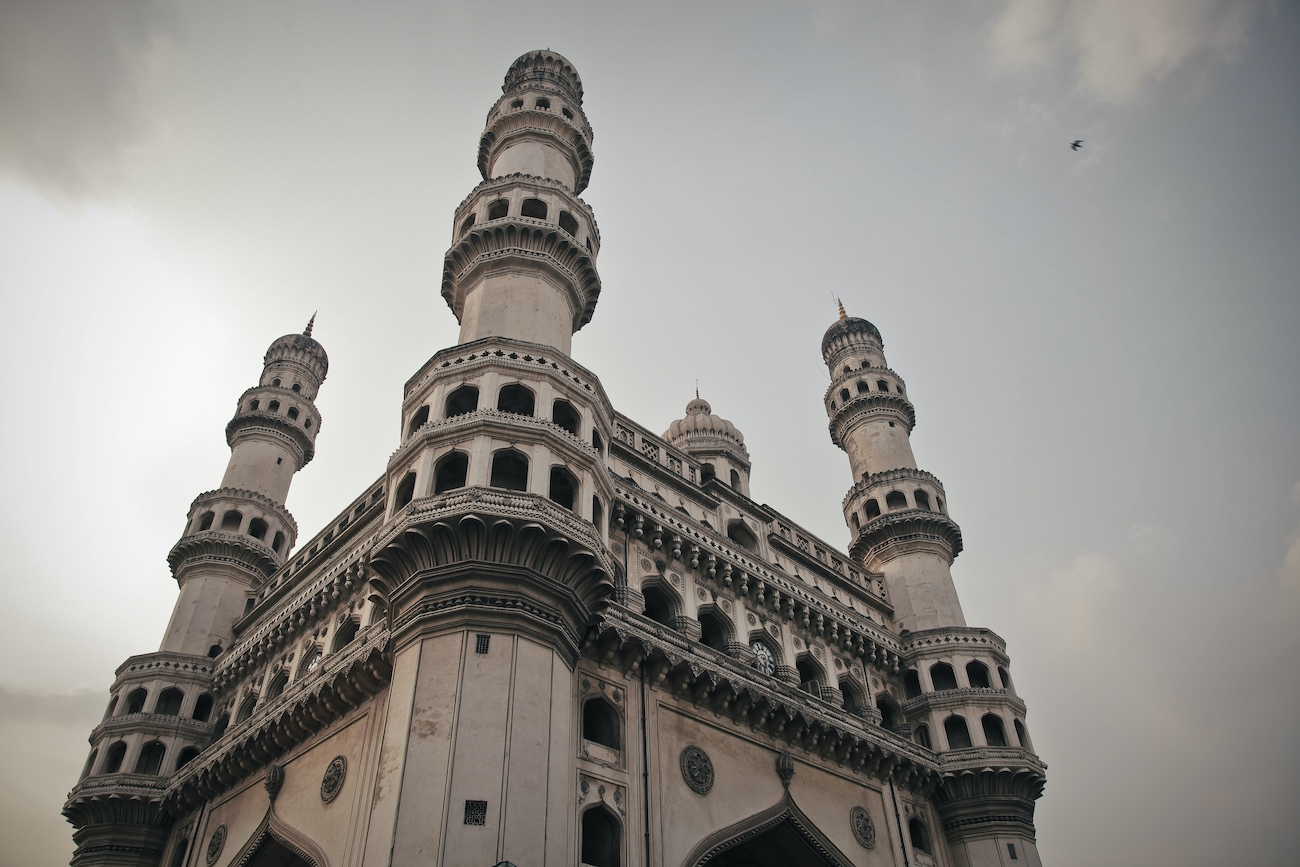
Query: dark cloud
x=70 y=83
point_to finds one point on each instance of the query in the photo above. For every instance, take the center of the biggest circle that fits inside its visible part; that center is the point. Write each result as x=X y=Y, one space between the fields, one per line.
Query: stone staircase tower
x=959 y=698
x=161 y=711
x=493 y=557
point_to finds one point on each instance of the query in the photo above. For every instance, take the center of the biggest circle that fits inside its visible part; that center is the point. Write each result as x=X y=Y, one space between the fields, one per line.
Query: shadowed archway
x=275 y=844
x=781 y=836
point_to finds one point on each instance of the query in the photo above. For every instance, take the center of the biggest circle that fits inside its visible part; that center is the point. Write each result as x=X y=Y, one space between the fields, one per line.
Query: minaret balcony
x=222 y=548
x=297 y=434
x=550 y=128
x=870 y=406
x=903 y=532
x=892 y=491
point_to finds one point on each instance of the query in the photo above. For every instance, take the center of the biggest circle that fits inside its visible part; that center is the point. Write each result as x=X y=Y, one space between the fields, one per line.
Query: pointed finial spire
x=306 y=332
x=840 y=304
x=697 y=389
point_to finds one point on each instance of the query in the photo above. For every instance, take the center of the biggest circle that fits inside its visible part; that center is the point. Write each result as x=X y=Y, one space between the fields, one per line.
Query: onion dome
x=544 y=68
x=300 y=350
x=847 y=331
x=701 y=430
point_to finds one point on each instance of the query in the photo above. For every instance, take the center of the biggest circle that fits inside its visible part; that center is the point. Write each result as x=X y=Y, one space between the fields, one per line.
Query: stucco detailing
x=865 y=407
x=864 y=830
x=274 y=781
x=216 y=547
x=785 y=811
x=566 y=137
x=785 y=768
x=332 y=782
x=216 y=843
x=548 y=67
x=697 y=770
x=897 y=533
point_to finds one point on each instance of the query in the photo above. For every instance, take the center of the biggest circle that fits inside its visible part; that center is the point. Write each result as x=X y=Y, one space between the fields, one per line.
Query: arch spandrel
x=779 y=836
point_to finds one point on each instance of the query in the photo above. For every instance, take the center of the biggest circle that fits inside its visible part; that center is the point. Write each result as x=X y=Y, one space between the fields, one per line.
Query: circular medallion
x=216 y=842
x=763 y=659
x=863 y=828
x=697 y=770
x=332 y=782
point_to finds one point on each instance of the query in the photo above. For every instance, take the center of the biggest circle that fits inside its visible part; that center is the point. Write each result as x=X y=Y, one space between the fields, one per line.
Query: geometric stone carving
x=697 y=769
x=863 y=828
x=332 y=782
x=216 y=843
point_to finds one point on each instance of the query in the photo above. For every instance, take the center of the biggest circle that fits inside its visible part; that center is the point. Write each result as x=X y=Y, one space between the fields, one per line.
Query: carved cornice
x=150 y=723
x=273 y=425
x=887 y=477
x=517 y=179
x=212 y=546
x=531 y=243
x=343 y=681
x=127 y=799
x=951 y=699
x=864 y=406
x=543 y=67
x=895 y=533
x=924 y=643
x=568 y=139
x=166 y=664
x=860 y=373
x=505 y=424
x=261 y=500
x=712 y=681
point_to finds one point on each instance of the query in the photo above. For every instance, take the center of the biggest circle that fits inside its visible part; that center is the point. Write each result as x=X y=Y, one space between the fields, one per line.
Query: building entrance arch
x=781 y=836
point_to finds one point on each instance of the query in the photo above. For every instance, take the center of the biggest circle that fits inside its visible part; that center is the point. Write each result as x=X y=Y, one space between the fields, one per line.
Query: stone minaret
x=161 y=711
x=898 y=514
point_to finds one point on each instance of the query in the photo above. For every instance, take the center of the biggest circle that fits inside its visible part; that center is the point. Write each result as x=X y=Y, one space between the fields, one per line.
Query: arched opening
x=246 y=709
x=922 y=499
x=345 y=633
x=468 y=223
x=450 y=472
x=270 y=852
x=856 y=521
x=293 y=413
x=781 y=836
x=150 y=760
x=600 y=838
x=707 y=473
x=735 y=480
x=275 y=688
x=844 y=395
x=534 y=209
x=253 y=405
x=1021 y=735
x=419 y=420
x=563 y=487
x=978 y=675
x=509 y=470
x=90 y=764
x=273 y=406
x=278 y=543
x=405 y=491
x=1004 y=678
x=112 y=706
x=186 y=756
x=275 y=383
x=882 y=385
x=223 y=722
x=205 y=522
x=854 y=700
x=231 y=520
x=517 y=399
x=938 y=502
x=600 y=723
x=942 y=676
x=810 y=676
x=659 y=606
x=169 y=702
x=895 y=500
x=596 y=442
x=921 y=734
x=890 y=716
x=995 y=731
x=182 y=849
x=257 y=529
x=738 y=531
x=873 y=509
x=597 y=513
x=957 y=732
x=568 y=223
x=461 y=401
x=310 y=662
x=543 y=103
x=214 y=651
x=564 y=415
x=498 y=209
x=911 y=683
x=863 y=388
x=715 y=630
x=113 y=758
x=919 y=835
x=135 y=700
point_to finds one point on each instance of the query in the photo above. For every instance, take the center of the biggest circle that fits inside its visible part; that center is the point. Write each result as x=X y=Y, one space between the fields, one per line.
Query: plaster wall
x=534 y=158
x=874 y=446
x=920 y=586
x=208 y=605
x=518 y=305
x=253 y=467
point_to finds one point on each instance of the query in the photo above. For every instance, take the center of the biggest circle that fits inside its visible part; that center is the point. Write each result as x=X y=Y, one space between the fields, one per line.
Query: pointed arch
x=274 y=832
x=784 y=819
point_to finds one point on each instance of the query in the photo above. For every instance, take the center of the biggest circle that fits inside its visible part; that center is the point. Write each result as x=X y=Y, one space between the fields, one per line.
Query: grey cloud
x=70 y=75
x=1118 y=48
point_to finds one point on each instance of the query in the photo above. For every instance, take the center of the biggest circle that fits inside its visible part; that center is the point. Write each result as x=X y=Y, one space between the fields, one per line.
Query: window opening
x=169 y=702
x=995 y=732
x=568 y=223
x=600 y=838
x=468 y=224
x=658 y=607
x=135 y=700
x=481 y=643
x=498 y=209
x=509 y=470
x=809 y=677
x=543 y=103
x=187 y=755
x=919 y=834
x=600 y=723
x=889 y=716
x=596 y=441
x=450 y=472
x=739 y=532
x=517 y=399
x=405 y=491
x=911 y=683
x=231 y=520
x=564 y=415
x=533 y=208
x=150 y=760
x=246 y=709
x=346 y=632
x=922 y=736
x=278 y=543
x=257 y=528
x=205 y=523
x=922 y=499
x=942 y=676
x=273 y=406
x=714 y=630
x=978 y=675
x=296 y=388
x=461 y=401
x=895 y=500
x=476 y=812
x=418 y=420
x=597 y=513
x=564 y=487
x=958 y=733
x=113 y=758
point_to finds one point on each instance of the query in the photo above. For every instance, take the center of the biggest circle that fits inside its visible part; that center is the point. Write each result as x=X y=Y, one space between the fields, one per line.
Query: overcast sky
x=1101 y=344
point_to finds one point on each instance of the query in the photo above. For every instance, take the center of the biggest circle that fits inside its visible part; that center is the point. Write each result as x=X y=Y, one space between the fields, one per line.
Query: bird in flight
x=1075 y=145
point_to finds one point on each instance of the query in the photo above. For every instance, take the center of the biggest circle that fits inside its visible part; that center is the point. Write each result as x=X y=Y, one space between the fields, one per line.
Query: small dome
x=699 y=425
x=544 y=67
x=301 y=349
x=847 y=328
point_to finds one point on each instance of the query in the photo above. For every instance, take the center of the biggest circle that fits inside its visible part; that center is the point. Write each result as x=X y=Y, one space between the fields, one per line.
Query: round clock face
x=763 y=659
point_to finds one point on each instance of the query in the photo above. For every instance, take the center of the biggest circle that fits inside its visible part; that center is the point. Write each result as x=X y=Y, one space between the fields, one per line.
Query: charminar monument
x=548 y=635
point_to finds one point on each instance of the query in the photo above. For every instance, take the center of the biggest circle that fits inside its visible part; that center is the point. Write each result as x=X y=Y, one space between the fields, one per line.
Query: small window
x=418 y=420
x=596 y=441
x=882 y=385
x=509 y=470
x=919 y=835
x=202 y=708
x=895 y=500
x=277 y=685
x=942 y=676
x=810 y=678
x=273 y=406
x=476 y=812
x=275 y=383
x=739 y=532
x=735 y=480
x=297 y=389
x=564 y=415
x=922 y=499
x=857 y=522
x=995 y=731
x=450 y=472
x=257 y=528
x=853 y=701
x=534 y=208
x=911 y=683
x=461 y=401
x=346 y=632
x=873 y=509
x=564 y=487
x=597 y=513
x=517 y=104
x=231 y=520
x=707 y=473
x=214 y=651
x=468 y=224
x=278 y=543
x=958 y=733
x=715 y=631
x=498 y=209
x=1021 y=735
x=246 y=709
x=112 y=706
x=135 y=700
x=205 y=523
x=922 y=736
x=601 y=846
x=844 y=395
x=659 y=607
x=187 y=755
x=90 y=764
x=169 y=702
x=863 y=387
x=150 y=760
x=517 y=399
x=889 y=714
x=978 y=675
x=293 y=413
x=1004 y=678
x=253 y=405
x=113 y=758
x=600 y=723
x=1011 y=852
x=543 y=103
x=568 y=223
x=482 y=643
x=405 y=491
x=568 y=114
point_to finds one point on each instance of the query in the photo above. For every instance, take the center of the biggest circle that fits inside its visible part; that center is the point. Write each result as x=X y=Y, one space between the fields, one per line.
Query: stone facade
x=547 y=635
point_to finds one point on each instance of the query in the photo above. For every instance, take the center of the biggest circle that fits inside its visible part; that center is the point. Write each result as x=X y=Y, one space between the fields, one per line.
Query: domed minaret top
x=714 y=441
x=546 y=68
